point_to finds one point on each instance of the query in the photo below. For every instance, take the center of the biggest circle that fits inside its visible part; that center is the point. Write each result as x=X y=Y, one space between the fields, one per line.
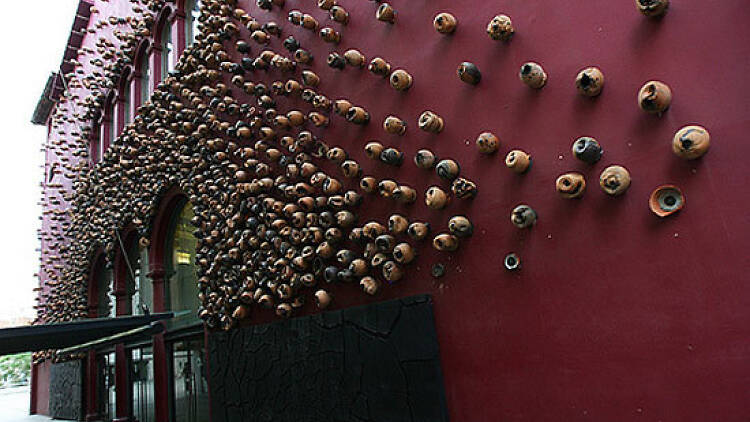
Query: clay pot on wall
x=445 y=23
x=666 y=200
x=590 y=81
x=501 y=28
x=691 y=142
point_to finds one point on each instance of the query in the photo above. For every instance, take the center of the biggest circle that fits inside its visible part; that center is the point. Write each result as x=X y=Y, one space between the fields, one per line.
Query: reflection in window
x=126 y=104
x=167 y=48
x=191 y=24
x=112 y=128
x=106 y=384
x=145 y=80
x=142 y=383
x=190 y=388
x=140 y=289
x=182 y=287
x=105 y=289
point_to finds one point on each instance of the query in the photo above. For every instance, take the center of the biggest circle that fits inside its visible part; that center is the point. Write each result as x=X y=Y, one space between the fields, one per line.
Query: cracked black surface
x=371 y=363
x=66 y=390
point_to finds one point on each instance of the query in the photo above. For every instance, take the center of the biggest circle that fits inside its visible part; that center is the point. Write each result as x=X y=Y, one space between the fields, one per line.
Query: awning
x=135 y=334
x=59 y=336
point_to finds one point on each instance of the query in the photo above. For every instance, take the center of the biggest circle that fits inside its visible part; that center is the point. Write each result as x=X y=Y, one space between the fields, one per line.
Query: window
x=193 y=10
x=167 y=49
x=145 y=80
x=106 y=127
x=190 y=385
x=182 y=289
x=105 y=307
x=126 y=103
x=107 y=130
x=106 y=382
x=111 y=133
x=140 y=289
x=105 y=291
x=142 y=383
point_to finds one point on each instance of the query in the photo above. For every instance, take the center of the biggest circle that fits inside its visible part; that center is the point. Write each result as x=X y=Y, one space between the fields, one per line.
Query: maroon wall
x=616 y=314
x=40 y=388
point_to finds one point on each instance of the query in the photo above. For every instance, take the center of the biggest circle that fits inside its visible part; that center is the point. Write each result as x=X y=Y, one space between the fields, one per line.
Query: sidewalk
x=14 y=406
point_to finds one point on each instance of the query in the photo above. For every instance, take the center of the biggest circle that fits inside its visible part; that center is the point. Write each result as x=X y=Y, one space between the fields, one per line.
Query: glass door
x=189 y=382
x=106 y=385
x=142 y=383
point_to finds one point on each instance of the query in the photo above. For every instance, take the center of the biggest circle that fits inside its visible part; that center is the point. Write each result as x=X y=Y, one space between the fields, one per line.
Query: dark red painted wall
x=616 y=314
x=40 y=388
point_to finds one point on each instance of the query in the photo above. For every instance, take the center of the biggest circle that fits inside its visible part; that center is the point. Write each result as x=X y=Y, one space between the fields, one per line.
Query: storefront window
x=182 y=288
x=190 y=385
x=142 y=383
x=106 y=381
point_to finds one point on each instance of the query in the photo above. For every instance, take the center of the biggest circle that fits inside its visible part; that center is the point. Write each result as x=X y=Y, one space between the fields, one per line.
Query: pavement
x=14 y=406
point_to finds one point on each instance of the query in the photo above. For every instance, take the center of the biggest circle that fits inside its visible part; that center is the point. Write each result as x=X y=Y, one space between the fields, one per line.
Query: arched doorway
x=139 y=301
x=188 y=378
x=181 y=287
x=103 y=305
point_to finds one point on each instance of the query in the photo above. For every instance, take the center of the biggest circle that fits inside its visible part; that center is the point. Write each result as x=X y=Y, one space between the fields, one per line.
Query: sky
x=32 y=47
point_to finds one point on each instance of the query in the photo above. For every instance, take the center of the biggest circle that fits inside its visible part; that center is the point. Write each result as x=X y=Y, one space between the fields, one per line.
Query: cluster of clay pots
x=274 y=228
x=275 y=225
x=67 y=247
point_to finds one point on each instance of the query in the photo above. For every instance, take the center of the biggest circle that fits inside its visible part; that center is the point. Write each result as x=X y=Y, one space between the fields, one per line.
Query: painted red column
x=161 y=378
x=208 y=367
x=92 y=413
x=155 y=58
x=120 y=113
x=158 y=276
x=135 y=92
x=34 y=388
x=179 y=34
x=122 y=389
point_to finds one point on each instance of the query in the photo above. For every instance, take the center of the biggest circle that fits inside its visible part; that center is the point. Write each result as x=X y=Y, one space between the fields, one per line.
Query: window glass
x=140 y=287
x=106 y=382
x=145 y=80
x=105 y=288
x=182 y=287
x=190 y=388
x=167 y=48
x=112 y=123
x=142 y=383
x=191 y=24
x=126 y=104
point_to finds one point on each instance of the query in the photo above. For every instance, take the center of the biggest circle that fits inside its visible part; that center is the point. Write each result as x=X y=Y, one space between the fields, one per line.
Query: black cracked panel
x=66 y=390
x=374 y=363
